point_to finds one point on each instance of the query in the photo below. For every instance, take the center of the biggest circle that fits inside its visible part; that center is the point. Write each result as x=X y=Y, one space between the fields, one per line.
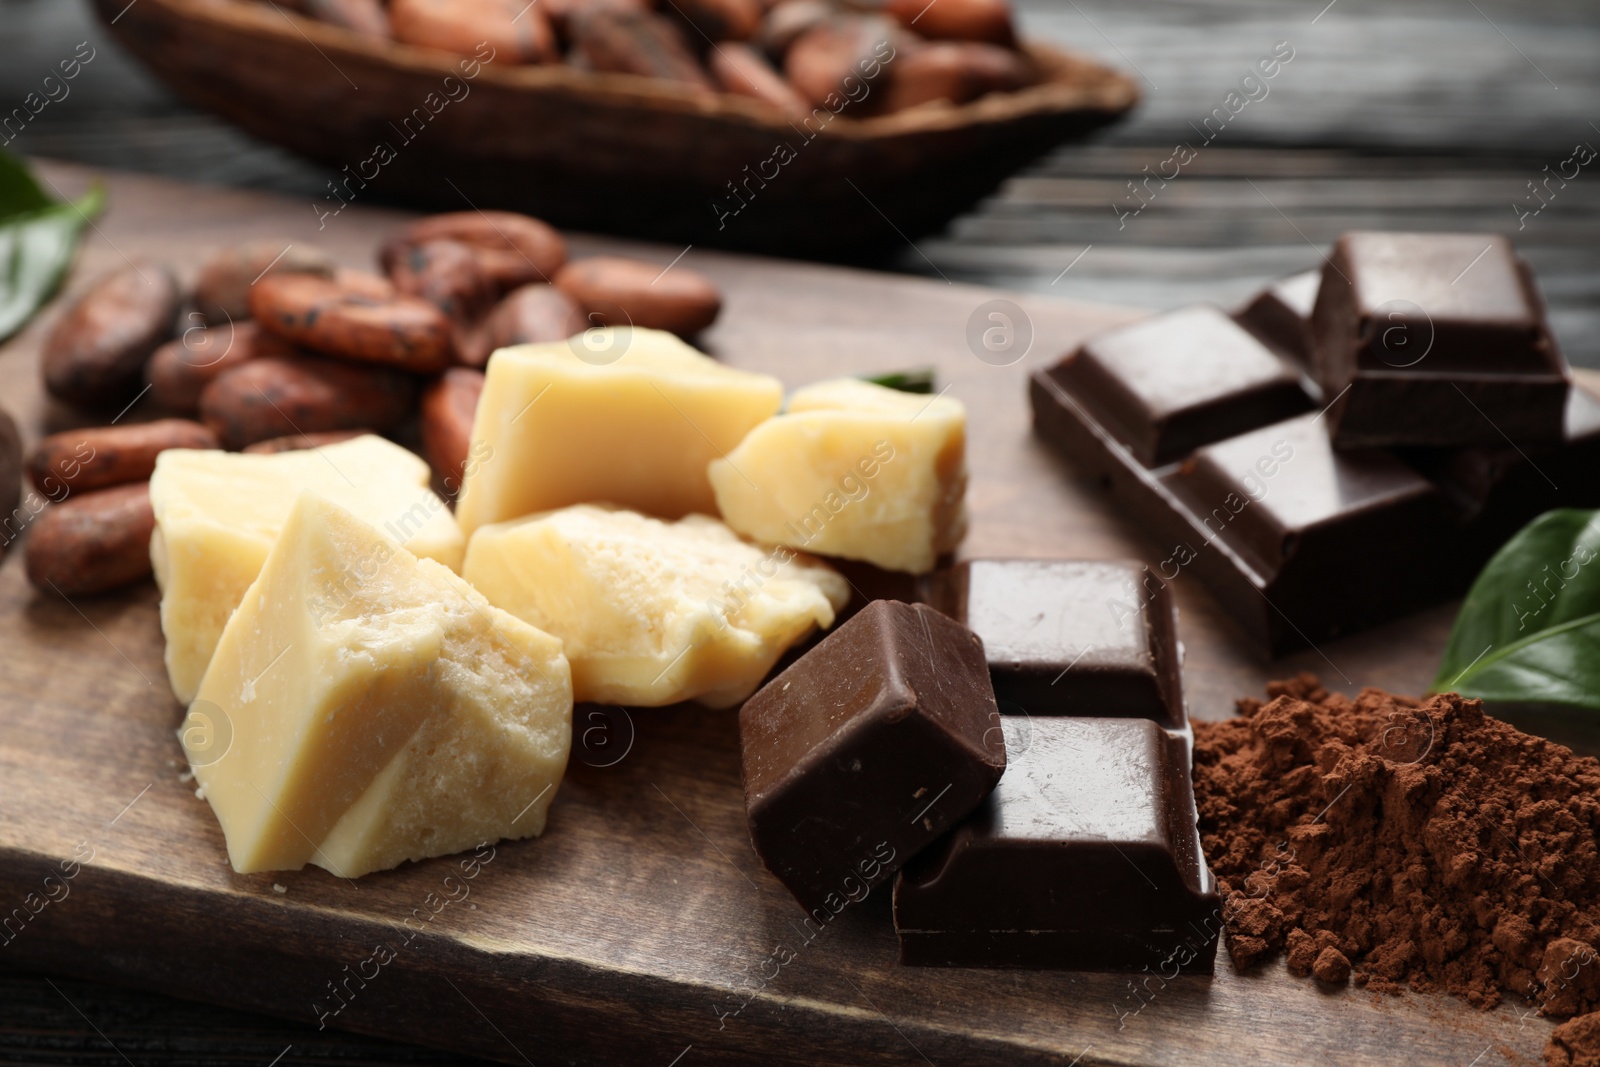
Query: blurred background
x=1400 y=114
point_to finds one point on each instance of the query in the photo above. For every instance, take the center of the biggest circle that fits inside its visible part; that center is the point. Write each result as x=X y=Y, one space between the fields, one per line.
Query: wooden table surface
x=1410 y=114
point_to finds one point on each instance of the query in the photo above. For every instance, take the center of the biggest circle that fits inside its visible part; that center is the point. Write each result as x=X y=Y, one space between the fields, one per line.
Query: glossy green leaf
x=37 y=239
x=1529 y=630
x=917 y=380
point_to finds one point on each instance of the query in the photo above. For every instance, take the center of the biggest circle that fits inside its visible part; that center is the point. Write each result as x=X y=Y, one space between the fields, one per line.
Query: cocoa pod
x=327 y=317
x=299 y=442
x=95 y=355
x=222 y=294
x=366 y=17
x=956 y=71
x=532 y=314
x=636 y=42
x=786 y=22
x=615 y=291
x=277 y=396
x=92 y=542
x=740 y=69
x=448 y=408
x=181 y=369
x=516 y=30
x=833 y=65
x=447 y=274
x=98 y=457
x=512 y=249
x=986 y=21
x=720 y=20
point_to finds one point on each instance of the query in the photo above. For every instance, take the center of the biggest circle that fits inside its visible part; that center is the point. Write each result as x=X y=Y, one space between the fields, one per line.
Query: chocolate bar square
x=866 y=749
x=1070 y=637
x=1168 y=384
x=1086 y=856
x=1280 y=315
x=1435 y=339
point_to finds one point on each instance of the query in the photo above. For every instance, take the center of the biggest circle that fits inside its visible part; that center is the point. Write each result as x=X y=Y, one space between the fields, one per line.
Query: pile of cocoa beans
x=289 y=350
x=874 y=56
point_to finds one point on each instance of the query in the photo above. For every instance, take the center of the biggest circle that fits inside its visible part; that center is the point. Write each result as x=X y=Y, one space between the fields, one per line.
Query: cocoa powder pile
x=1403 y=843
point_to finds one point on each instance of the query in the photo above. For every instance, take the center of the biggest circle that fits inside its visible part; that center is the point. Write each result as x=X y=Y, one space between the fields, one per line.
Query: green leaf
x=19 y=193
x=36 y=244
x=916 y=380
x=1529 y=629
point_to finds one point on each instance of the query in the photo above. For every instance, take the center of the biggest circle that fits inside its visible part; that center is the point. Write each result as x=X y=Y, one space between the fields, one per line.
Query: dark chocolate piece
x=1435 y=339
x=866 y=749
x=1299 y=542
x=1168 y=384
x=1070 y=637
x=1086 y=856
x=1281 y=315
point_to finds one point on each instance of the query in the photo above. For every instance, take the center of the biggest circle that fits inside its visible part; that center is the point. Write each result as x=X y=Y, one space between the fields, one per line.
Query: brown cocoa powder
x=1404 y=843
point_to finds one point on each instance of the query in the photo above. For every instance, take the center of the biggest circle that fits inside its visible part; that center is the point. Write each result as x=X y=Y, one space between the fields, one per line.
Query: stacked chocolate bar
x=1349 y=447
x=1053 y=827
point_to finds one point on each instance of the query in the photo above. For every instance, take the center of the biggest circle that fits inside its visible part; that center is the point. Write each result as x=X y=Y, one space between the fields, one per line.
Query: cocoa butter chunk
x=631 y=417
x=101 y=456
x=95 y=355
x=300 y=442
x=222 y=295
x=338 y=319
x=867 y=749
x=617 y=291
x=854 y=470
x=1085 y=857
x=366 y=707
x=92 y=542
x=220 y=512
x=652 y=612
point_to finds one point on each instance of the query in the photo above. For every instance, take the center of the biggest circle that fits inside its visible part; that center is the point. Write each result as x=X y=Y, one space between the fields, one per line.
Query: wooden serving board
x=640 y=928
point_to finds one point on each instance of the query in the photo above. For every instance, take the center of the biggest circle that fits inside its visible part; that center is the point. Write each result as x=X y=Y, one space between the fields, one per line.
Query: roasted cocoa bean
x=956 y=20
x=222 y=294
x=95 y=355
x=785 y=22
x=98 y=457
x=518 y=32
x=835 y=64
x=740 y=69
x=719 y=20
x=92 y=542
x=181 y=369
x=512 y=249
x=956 y=71
x=448 y=408
x=366 y=17
x=636 y=42
x=276 y=397
x=615 y=291
x=447 y=274
x=10 y=472
x=327 y=317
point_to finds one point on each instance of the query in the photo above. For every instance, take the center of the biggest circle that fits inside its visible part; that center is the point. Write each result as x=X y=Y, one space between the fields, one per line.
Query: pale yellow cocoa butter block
x=218 y=513
x=654 y=612
x=625 y=416
x=365 y=707
x=853 y=470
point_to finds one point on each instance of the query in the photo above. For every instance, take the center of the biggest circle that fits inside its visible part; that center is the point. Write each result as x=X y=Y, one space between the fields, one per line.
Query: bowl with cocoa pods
x=815 y=127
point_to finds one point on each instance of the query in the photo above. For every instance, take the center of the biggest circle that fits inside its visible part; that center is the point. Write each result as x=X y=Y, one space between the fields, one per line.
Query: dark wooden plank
x=623 y=933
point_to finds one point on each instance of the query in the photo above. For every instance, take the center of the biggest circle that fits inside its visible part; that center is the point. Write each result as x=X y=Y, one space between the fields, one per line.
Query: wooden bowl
x=607 y=152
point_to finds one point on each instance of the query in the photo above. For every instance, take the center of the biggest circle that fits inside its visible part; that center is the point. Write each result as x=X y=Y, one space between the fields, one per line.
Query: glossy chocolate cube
x=1070 y=637
x=1174 y=382
x=866 y=749
x=1435 y=339
x=1086 y=856
x=1280 y=315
